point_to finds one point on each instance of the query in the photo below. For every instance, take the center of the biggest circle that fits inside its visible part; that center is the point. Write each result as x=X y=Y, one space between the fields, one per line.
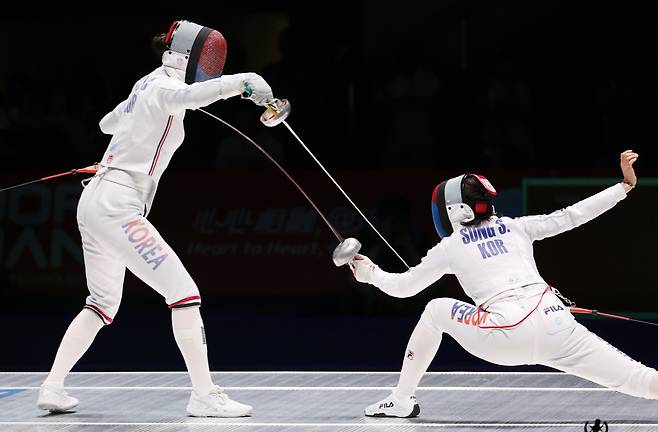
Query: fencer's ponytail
x=158 y=45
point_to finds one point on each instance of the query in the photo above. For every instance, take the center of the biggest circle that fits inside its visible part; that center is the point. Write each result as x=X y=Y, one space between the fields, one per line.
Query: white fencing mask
x=461 y=199
x=194 y=53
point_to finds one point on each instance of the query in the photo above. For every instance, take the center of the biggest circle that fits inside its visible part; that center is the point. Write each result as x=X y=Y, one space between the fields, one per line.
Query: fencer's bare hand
x=626 y=160
x=363 y=268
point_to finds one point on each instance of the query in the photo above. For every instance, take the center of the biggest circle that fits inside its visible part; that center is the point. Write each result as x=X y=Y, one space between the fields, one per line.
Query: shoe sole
x=414 y=413
x=54 y=408
x=226 y=415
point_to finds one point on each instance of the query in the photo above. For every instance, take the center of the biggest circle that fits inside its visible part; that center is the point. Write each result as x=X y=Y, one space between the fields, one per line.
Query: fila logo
x=386 y=405
x=553 y=309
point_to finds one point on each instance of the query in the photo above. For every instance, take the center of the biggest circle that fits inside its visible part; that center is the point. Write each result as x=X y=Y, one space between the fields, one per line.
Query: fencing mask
x=461 y=199
x=194 y=53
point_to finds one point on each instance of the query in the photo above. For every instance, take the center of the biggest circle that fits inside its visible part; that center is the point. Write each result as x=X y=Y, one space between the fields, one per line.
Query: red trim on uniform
x=185 y=300
x=161 y=144
x=503 y=327
x=103 y=314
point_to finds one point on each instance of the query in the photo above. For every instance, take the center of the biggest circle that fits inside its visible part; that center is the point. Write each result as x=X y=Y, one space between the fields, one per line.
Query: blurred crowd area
x=542 y=87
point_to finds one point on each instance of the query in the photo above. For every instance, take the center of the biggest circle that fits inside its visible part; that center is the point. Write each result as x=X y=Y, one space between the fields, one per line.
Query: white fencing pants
x=115 y=236
x=550 y=336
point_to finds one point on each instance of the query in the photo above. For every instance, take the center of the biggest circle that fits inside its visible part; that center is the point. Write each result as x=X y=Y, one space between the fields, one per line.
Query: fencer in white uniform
x=146 y=130
x=519 y=319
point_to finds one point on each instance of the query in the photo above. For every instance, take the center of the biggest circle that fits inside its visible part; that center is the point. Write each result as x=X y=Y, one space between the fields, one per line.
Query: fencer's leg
x=77 y=340
x=584 y=354
x=461 y=321
x=191 y=340
x=421 y=349
x=152 y=260
x=207 y=399
x=105 y=283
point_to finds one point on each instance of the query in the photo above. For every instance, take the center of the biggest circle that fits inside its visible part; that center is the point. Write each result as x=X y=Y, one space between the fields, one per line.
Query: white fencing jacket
x=147 y=127
x=495 y=255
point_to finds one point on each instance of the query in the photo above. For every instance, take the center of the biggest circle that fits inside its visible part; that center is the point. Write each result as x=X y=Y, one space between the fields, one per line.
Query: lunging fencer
x=519 y=319
x=146 y=130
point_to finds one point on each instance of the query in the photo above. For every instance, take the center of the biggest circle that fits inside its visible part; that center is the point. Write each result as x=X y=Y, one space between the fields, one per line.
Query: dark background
x=393 y=100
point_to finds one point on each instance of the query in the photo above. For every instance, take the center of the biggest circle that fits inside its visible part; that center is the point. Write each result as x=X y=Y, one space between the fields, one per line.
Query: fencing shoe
x=54 y=399
x=216 y=404
x=394 y=407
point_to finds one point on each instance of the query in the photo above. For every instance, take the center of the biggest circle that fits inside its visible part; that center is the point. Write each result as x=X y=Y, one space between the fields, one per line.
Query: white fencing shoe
x=394 y=407
x=216 y=404
x=55 y=399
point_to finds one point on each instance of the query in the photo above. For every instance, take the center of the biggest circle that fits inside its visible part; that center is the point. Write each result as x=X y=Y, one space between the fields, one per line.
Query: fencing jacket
x=147 y=127
x=495 y=255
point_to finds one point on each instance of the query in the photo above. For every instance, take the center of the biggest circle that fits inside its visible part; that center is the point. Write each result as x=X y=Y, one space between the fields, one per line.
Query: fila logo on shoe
x=386 y=405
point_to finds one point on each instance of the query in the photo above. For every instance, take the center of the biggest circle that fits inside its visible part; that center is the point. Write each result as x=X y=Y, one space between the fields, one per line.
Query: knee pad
x=188 y=327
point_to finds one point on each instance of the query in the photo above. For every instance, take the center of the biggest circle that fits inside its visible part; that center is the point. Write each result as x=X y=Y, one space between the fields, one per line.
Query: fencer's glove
x=363 y=268
x=256 y=89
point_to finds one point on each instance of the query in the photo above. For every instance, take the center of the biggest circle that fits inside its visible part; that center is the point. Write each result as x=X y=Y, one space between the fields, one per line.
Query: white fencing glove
x=256 y=89
x=363 y=268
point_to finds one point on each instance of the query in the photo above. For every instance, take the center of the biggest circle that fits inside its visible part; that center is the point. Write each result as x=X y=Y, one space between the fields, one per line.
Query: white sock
x=75 y=343
x=191 y=339
x=421 y=349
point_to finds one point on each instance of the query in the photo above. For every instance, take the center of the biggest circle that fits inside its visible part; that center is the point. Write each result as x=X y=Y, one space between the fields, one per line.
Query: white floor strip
x=292 y=373
x=346 y=388
x=374 y=424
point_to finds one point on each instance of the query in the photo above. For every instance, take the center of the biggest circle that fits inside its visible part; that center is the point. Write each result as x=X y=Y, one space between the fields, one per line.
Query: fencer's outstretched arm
x=431 y=268
x=543 y=226
x=176 y=96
